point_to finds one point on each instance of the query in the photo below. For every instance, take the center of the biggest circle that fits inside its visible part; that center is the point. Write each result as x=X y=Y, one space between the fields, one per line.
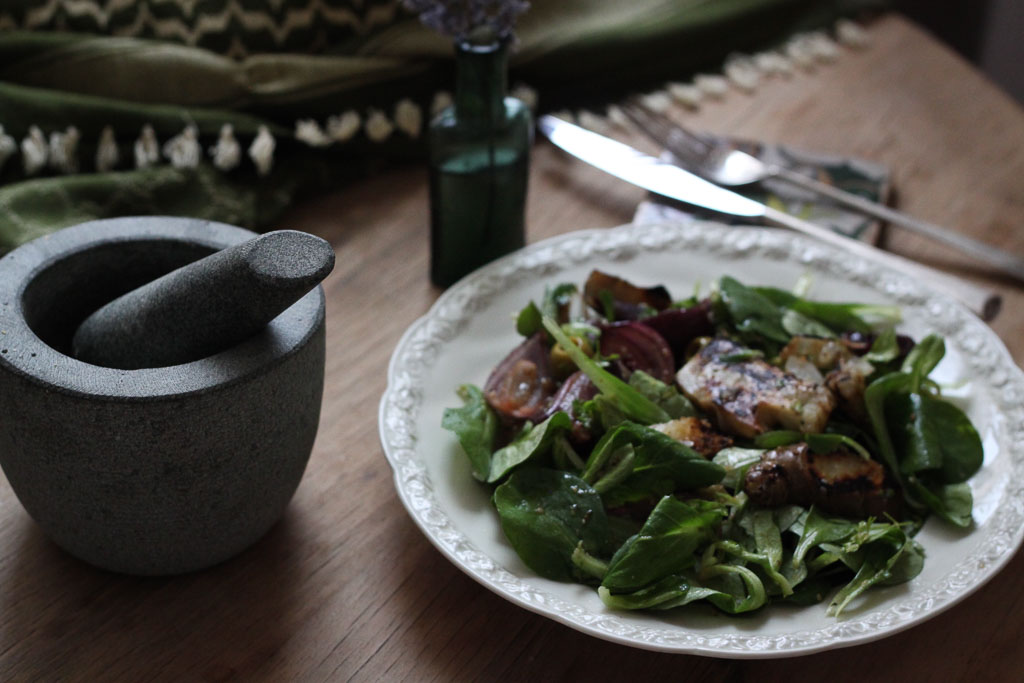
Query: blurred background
x=989 y=33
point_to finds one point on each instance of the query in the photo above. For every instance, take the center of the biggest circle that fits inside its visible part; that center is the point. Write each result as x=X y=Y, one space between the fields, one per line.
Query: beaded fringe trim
x=58 y=152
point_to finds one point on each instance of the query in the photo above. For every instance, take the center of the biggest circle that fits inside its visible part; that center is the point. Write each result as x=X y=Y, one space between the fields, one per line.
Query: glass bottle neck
x=480 y=80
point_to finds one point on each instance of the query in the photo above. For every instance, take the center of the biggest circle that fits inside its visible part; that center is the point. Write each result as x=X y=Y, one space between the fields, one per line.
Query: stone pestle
x=206 y=306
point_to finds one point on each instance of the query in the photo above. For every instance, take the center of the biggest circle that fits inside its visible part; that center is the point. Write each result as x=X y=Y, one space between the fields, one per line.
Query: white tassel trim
x=183 y=149
x=659 y=101
x=408 y=118
x=592 y=121
x=64 y=150
x=261 y=151
x=107 y=154
x=147 y=148
x=851 y=34
x=712 y=85
x=344 y=126
x=378 y=128
x=227 y=153
x=34 y=151
x=8 y=147
x=686 y=94
x=742 y=72
x=618 y=118
x=310 y=132
x=773 y=63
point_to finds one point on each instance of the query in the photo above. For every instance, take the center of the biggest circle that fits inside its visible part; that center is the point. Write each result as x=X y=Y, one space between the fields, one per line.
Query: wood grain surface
x=346 y=587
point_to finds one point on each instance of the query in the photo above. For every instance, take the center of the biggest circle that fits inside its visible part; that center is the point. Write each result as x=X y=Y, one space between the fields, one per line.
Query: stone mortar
x=157 y=470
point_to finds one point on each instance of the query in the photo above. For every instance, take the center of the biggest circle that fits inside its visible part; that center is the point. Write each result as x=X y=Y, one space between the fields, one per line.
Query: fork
x=718 y=161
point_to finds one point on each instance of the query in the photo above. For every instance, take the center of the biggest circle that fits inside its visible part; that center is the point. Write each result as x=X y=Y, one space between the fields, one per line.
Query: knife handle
x=998 y=258
x=983 y=302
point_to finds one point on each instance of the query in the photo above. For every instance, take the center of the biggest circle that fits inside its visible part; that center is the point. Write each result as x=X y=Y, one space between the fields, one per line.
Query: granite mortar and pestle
x=160 y=385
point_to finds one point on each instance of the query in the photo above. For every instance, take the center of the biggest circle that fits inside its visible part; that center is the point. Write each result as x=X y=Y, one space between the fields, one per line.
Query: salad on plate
x=748 y=447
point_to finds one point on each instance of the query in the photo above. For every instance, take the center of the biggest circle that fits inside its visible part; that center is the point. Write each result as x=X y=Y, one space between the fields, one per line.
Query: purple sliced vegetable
x=577 y=387
x=680 y=326
x=628 y=301
x=521 y=386
x=639 y=347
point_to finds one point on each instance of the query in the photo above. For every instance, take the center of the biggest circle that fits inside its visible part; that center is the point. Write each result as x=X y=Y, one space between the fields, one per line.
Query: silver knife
x=669 y=180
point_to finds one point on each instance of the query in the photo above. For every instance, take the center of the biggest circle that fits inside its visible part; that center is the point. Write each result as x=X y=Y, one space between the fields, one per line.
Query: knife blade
x=669 y=180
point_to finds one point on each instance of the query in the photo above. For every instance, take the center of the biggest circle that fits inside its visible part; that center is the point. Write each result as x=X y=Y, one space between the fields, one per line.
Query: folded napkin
x=230 y=109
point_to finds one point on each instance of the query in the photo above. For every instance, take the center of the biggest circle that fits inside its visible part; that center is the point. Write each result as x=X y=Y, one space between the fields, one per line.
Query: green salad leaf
x=929 y=444
x=475 y=426
x=838 y=317
x=657 y=465
x=665 y=396
x=545 y=514
x=752 y=313
x=665 y=545
x=531 y=444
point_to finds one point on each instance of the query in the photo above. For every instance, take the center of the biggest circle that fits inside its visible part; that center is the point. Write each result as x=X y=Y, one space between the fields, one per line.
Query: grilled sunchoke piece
x=750 y=397
x=841 y=483
x=696 y=433
x=847 y=372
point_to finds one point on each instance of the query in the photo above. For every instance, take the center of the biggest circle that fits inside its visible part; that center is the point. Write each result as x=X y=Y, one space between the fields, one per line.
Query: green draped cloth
x=170 y=64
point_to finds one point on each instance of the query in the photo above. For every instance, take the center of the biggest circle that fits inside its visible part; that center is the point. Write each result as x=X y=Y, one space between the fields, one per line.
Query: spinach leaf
x=810 y=591
x=624 y=397
x=798 y=324
x=819 y=443
x=893 y=558
x=528 y=322
x=929 y=444
x=746 y=595
x=885 y=348
x=545 y=515
x=555 y=304
x=875 y=397
x=935 y=436
x=564 y=455
x=608 y=414
x=818 y=529
x=666 y=544
x=752 y=313
x=759 y=559
x=839 y=317
x=923 y=358
x=657 y=465
x=767 y=537
x=475 y=426
x=666 y=396
x=672 y=591
x=531 y=444
x=951 y=502
x=557 y=299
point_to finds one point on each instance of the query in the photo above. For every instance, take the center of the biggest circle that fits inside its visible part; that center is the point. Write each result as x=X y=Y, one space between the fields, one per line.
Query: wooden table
x=346 y=587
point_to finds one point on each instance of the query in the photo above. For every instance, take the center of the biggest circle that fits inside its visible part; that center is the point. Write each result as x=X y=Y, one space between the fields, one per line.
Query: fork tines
x=687 y=147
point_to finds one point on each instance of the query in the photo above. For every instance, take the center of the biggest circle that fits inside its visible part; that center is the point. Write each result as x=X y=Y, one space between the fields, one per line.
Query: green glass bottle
x=479 y=167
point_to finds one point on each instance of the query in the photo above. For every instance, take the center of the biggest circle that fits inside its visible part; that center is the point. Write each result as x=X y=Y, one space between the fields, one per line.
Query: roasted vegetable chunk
x=696 y=433
x=840 y=482
x=748 y=396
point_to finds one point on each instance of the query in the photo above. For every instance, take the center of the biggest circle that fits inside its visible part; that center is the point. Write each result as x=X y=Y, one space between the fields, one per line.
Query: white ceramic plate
x=471 y=327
